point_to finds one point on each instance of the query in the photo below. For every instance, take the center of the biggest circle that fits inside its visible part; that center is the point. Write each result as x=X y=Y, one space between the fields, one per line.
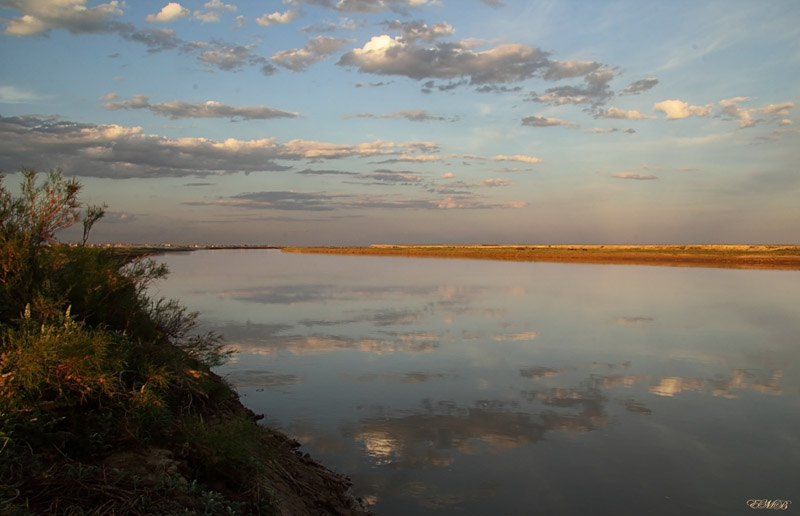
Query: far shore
x=785 y=257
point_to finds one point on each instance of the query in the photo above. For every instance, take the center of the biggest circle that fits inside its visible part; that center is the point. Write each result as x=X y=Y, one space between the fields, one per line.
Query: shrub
x=89 y=363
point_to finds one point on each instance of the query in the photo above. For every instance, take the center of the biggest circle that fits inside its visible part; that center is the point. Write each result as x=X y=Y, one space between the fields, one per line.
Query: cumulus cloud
x=542 y=121
x=517 y=157
x=677 y=109
x=329 y=26
x=277 y=18
x=214 y=10
x=170 y=12
x=419 y=30
x=215 y=54
x=315 y=50
x=640 y=86
x=731 y=109
x=613 y=112
x=156 y=40
x=120 y=152
x=42 y=16
x=594 y=92
x=395 y=56
x=208 y=109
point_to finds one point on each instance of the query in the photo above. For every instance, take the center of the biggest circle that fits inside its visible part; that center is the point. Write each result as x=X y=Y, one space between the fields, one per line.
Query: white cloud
x=732 y=109
x=542 y=121
x=394 y=56
x=277 y=18
x=170 y=12
x=448 y=175
x=315 y=50
x=517 y=157
x=208 y=109
x=677 y=109
x=41 y=16
x=613 y=112
x=117 y=151
x=419 y=30
x=219 y=5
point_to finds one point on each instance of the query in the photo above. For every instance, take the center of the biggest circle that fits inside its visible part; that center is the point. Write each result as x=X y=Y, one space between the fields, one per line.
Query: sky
x=353 y=122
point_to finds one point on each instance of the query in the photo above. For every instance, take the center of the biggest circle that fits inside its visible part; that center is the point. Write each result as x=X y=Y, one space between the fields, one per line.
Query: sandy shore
x=727 y=256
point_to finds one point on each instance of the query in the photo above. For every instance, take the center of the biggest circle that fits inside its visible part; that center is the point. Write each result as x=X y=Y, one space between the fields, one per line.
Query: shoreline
x=770 y=257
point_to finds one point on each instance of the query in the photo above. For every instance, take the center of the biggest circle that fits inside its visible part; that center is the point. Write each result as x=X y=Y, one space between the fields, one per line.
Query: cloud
x=208 y=109
x=493 y=3
x=14 y=95
x=732 y=109
x=640 y=86
x=600 y=130
x=613 y=112
x=170 y=12
x=634 y=175
x=677 y=109
x=595 y=92
x=419 y=30
x=386 y=55
x=156 y=40
x=541 y=121
x=448 y=175
x=413 y=115
x=494 y=182
x=558 y=70
x=323 y=201
x=315 y=50
x=277 y=18
x=391 y=176
x=374 y=6
x=42 y=16
x=116 y=151
x=517 y=157
x=216 y=54
x=328 y=26
x=219 y=5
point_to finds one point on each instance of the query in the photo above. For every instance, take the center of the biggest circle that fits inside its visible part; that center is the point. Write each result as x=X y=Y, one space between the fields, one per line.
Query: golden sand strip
x=785 y=257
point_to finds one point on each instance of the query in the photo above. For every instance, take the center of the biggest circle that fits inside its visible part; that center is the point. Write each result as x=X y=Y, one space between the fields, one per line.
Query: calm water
x=486 y=388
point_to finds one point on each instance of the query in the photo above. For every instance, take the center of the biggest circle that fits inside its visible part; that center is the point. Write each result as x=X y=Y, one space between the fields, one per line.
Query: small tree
x=93 y=213
x=27 y=224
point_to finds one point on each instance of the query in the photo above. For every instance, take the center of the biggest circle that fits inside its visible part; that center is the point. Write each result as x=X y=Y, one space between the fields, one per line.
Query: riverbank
x=785 y=257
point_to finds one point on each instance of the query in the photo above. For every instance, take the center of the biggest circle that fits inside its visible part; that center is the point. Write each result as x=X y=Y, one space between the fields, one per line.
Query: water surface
x=480 y=387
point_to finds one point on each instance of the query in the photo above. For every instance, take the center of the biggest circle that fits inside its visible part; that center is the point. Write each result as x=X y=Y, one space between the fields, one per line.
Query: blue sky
x=339 y=122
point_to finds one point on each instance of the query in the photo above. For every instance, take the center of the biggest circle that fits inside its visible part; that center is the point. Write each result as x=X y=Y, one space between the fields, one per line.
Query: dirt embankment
x=726 y=256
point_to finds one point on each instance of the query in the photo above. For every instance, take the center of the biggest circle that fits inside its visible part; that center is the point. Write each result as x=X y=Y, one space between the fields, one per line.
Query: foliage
x=90 y=364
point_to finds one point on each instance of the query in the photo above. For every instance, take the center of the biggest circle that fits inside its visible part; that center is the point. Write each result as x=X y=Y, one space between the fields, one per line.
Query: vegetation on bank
x=108 y=405
x=733 y=256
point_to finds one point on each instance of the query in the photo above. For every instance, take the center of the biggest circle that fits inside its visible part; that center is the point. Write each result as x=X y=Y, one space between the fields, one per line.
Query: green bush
x=91 y=364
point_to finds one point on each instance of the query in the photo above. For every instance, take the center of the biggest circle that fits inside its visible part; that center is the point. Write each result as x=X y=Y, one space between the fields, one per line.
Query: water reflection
x=447 y=386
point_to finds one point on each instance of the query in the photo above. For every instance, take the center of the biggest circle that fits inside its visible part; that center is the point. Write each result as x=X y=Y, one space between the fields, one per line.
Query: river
x=447 y=386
